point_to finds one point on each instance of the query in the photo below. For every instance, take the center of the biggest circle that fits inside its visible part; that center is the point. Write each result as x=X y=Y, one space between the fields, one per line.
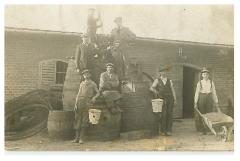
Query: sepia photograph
x=129 y=78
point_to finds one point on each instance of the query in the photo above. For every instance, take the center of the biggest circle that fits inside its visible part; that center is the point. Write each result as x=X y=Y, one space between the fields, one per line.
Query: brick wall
x=24 y=50
x=219 y=58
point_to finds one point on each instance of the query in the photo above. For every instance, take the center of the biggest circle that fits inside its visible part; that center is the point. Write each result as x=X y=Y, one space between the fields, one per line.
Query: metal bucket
x=157 y=105
x=94 y=115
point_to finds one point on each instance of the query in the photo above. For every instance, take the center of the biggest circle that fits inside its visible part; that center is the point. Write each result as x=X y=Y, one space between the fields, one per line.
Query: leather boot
x=82 y=135
x=76 y=140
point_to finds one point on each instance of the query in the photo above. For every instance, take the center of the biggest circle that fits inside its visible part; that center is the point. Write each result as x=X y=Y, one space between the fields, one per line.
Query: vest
x=164 y=91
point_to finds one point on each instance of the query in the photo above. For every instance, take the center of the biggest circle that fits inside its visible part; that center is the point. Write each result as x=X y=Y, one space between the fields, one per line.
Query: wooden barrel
x=60 y=124
x=108 y=127
x=137 y=111
x=71 y=86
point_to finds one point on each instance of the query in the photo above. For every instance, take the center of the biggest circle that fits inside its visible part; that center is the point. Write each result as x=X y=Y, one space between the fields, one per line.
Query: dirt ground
x=184 y=138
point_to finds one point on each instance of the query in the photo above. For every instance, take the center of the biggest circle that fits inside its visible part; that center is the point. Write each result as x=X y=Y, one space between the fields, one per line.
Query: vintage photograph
x=119 y=78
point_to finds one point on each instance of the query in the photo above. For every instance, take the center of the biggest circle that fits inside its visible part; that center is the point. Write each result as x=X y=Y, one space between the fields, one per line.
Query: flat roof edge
x=148 y=39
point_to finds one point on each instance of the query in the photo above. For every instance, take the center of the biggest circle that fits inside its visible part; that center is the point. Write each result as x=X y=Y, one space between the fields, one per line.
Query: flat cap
x=205 y=70
x=164 y=68
x=85 y=71
x=110 y=64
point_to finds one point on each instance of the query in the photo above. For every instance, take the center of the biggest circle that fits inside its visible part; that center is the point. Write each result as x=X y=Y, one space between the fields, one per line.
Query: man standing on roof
x=122 y=34
x=84 y=56
x=121 y=37
x=92 y=24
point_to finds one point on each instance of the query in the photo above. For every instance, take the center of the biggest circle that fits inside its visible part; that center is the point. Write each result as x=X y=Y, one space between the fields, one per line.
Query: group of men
x=89 y=92
x=109 y=81
x=115 y=74
x=112 y=78
x=87 y=52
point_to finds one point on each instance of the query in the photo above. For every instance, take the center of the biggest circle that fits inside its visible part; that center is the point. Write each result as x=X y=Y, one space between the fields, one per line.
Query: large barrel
x=108 y=127
x=60 y=124
x=137 y=110
x=71 y=86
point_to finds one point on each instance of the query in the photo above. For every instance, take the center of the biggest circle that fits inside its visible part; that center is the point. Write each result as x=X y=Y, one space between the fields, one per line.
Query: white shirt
x=205 y=87
x=110 y=75
x=164 y=80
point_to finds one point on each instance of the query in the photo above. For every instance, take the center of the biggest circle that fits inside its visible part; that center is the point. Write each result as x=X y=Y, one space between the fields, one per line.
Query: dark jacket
x=84 y=56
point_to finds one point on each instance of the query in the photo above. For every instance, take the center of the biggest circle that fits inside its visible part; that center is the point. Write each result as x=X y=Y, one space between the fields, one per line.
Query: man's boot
x=82 y=135
x=76 y=140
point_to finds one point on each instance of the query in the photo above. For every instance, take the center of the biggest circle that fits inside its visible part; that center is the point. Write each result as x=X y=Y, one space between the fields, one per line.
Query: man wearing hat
x=121 y=60
x=92 y=24
x=84 y=56
x=162 y=88
x=88 y=92
x=109 y=86
x=121 y=37
x=205 y=98
x=122 y=34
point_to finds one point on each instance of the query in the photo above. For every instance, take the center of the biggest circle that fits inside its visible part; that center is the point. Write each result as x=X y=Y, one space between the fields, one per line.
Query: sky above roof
x=198 y=23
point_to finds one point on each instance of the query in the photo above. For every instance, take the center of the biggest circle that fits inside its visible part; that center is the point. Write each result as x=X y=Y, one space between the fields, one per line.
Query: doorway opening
x=190 y=79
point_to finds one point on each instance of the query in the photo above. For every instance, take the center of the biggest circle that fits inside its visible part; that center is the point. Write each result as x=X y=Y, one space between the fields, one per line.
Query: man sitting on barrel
x=88 y=92
x=109 y=87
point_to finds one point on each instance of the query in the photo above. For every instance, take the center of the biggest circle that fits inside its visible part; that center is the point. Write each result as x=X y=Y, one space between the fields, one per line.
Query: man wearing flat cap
x=162 y=88
x=122 y=34
x=93 y=24
x=121 y=60
x=88 y=92
x=109 y=87
x=121 y=37
x=84 y=56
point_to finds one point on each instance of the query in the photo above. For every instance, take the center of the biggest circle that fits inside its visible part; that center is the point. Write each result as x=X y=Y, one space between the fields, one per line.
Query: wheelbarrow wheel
x=224 y=134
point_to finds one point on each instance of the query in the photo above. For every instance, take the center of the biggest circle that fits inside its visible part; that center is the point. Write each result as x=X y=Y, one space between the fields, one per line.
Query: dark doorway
x=190 y=78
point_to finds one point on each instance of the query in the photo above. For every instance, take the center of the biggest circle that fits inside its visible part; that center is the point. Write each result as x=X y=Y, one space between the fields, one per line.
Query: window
x=52 y=72
x=61 y=68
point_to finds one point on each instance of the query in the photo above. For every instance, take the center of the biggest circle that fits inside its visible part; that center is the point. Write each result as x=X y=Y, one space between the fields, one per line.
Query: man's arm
x=97 y=93
x=100 y=23
x=215 y=98
x=79 y=91
x=98 y=16
x=173 y=92
x=197 y=94
x=154 y=86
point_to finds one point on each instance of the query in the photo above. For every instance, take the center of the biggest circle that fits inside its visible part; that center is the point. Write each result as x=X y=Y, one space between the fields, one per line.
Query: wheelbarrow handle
x=218 y=108
x=196 y=108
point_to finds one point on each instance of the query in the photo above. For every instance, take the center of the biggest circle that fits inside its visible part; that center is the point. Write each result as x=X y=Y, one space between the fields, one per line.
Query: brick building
x=26 y=52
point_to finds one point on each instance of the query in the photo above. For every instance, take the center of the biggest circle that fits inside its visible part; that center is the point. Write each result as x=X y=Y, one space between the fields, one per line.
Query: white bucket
x=94 y=115
x=157 y=105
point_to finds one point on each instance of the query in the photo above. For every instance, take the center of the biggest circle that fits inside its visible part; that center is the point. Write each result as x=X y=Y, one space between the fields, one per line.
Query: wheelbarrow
x=220 y=124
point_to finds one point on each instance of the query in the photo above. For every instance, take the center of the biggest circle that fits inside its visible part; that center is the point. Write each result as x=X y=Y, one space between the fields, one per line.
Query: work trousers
x=167 y=114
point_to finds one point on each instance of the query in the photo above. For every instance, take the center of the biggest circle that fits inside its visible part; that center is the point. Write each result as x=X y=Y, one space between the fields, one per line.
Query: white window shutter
x=47 y=70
